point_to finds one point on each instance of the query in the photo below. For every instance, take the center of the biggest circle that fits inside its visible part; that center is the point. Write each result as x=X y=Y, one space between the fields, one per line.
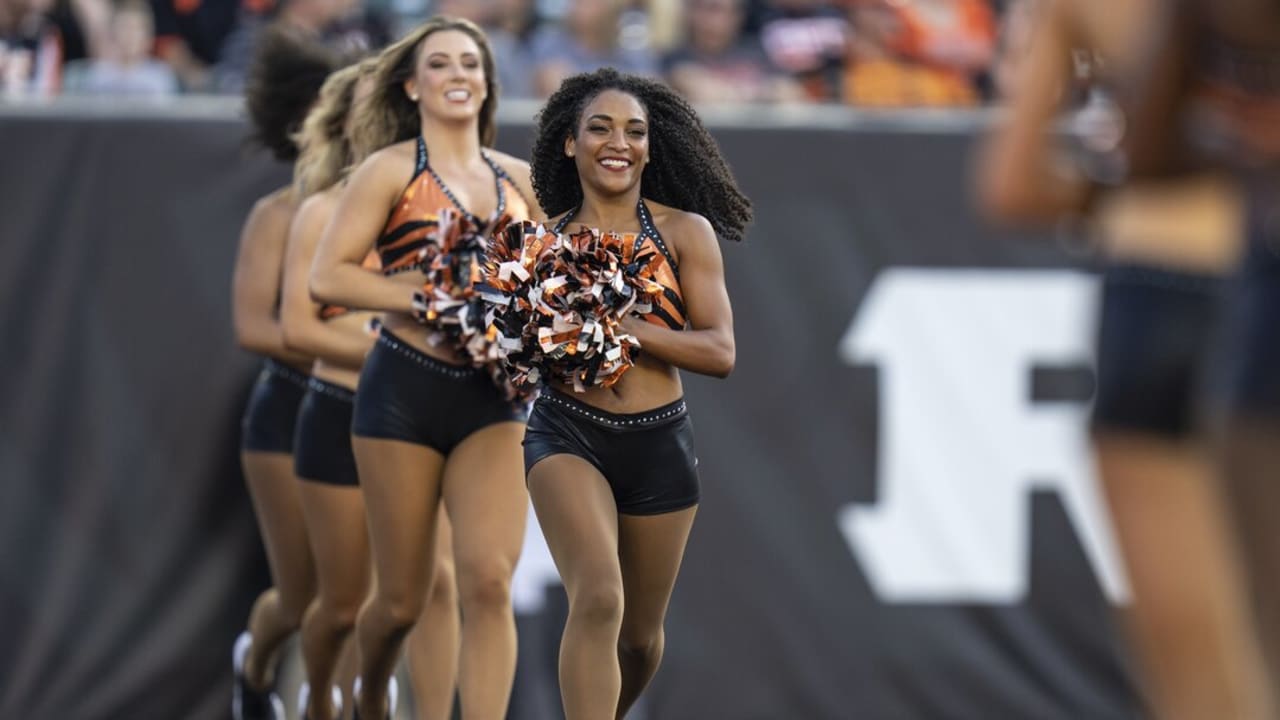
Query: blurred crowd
x=865 y=53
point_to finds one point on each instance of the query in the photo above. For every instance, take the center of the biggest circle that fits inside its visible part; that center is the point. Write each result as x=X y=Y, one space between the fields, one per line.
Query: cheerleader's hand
x=636 y=326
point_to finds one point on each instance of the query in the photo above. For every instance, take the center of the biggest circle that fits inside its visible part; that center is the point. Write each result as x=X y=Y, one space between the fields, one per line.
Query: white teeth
x=611 y=163
x=457 y=95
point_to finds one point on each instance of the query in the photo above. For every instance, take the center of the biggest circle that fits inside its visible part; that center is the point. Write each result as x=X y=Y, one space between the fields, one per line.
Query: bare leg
x=432 y=647
x=485 y=494
x=580 y=521
x=401 y=483
x=346 y=671
x=1189 y=622
x=650 y=548
x=278 y=611
x=1251 y=462
x=336 y=522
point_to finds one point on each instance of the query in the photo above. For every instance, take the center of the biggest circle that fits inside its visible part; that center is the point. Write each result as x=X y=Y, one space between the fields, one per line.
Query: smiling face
x=448 y=80
x=611 y=144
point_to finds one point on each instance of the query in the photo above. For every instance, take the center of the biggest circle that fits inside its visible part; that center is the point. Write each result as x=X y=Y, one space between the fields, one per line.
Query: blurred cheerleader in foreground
x=1166 y=249
x=1206 y=93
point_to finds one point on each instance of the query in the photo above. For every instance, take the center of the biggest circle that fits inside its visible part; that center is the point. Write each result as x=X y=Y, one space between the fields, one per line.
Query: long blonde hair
x=326 y=150
x=389 y=116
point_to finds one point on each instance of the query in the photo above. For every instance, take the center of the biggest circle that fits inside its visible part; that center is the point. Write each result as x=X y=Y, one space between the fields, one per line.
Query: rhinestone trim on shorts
x=426 y=361
x=334 y=391
x=284 y=372
x=605 y=418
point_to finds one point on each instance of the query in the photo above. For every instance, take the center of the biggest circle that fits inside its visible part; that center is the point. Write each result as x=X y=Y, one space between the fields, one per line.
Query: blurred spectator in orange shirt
x=912 y=53
x=717 y=63
x=1013 y=42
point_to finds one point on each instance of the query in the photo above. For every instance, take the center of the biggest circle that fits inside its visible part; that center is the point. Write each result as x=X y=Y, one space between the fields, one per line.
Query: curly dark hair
x=685 y=170
x=283 y=83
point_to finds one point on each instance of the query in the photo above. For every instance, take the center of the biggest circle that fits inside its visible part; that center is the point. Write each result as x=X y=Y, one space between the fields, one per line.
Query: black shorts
x=647 y=458
x=1248 y=384
x=408 y=395
x=272 y=412
x=322 y=447
x=1155 y=339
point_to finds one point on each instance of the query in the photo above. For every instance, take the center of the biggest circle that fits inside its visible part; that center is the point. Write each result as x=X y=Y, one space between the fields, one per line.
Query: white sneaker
x=393 y=693
x=246 y=702
x=304 y=700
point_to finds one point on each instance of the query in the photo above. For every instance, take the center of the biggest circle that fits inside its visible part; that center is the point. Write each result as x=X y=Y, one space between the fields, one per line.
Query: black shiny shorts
x=647 y=458
x=322 y=446
x=272 y=412
x=1155 y=349
x=1248 y=382
x=408 y=395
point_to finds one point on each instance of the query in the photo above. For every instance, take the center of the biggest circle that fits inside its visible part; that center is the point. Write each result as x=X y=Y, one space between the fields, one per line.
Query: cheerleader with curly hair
x=612 y=470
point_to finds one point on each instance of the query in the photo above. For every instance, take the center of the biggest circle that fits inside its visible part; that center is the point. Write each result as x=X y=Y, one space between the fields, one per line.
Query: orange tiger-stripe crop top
x=669 y=307
x=416 y=214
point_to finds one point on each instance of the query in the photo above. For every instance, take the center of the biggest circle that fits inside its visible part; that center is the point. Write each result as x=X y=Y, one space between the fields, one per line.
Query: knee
x=293 y=607
x=485 y=588
x=444 y=586
x=400 y=610
x=337 y=616
x=597 y=603
x=641 y=643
